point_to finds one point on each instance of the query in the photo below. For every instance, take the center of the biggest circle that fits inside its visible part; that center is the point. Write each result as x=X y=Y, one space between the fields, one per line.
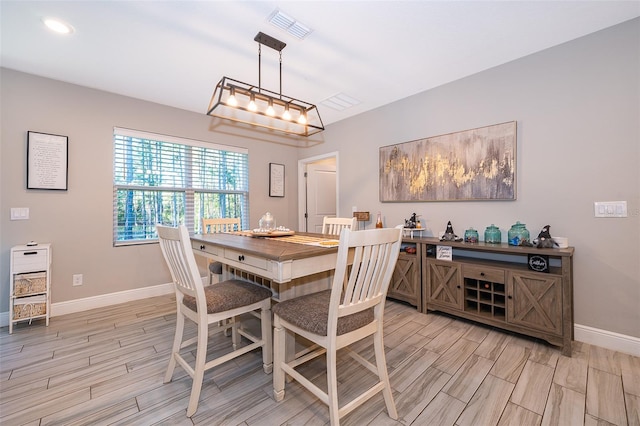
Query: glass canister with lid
x=492 y=235
x=518 y=235
x=470 y=236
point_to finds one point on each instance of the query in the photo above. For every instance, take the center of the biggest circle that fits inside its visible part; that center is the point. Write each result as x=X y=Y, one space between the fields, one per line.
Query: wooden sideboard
x=491 y=284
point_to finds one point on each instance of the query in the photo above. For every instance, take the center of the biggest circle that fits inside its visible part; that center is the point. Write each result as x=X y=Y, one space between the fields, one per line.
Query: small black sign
x=538 y=263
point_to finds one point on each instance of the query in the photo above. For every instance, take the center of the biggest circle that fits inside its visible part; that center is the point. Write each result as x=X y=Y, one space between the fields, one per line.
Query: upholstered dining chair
x=212 y=226
x=214 y=304
x=334 y=319
x=334 y=225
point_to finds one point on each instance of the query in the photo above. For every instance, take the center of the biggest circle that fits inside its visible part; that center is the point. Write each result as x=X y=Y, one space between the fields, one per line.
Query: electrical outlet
x=77 y=279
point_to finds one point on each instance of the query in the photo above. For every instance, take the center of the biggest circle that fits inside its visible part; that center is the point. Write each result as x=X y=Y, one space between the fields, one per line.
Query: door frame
x=302 y=187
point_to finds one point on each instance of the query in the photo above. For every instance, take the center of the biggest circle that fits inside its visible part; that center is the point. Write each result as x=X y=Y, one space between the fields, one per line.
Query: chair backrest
x=365 y=264
x=334 y=225
x=227 y=224
x=178 y=253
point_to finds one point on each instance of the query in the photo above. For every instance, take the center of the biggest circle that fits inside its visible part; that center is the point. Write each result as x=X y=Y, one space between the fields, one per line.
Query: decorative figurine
x=544 y=239
x=449 y=235
x=412 y=222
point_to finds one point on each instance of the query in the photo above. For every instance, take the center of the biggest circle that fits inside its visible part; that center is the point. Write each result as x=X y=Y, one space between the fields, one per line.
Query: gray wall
x=577 y=108
x=78 y=222
x=578 y=115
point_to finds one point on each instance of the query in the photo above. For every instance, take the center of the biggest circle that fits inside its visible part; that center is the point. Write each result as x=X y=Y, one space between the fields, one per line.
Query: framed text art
x=276 y=180
x=476 y=164
x=47 y=161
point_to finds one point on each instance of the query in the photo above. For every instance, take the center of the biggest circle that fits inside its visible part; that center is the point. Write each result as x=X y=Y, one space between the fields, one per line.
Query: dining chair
x=350 y=311
x=215 y=225
x=333 y=225
x=210 y=305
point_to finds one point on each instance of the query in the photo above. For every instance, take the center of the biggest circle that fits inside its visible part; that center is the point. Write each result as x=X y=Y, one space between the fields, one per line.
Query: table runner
x=311 y=240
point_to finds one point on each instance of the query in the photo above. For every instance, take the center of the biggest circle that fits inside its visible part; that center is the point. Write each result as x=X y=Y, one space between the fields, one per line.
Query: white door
x=320 y=194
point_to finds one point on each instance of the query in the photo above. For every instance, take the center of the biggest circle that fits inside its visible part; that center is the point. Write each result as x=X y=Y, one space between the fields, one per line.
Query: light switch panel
x=610 y=208
x=19 y=213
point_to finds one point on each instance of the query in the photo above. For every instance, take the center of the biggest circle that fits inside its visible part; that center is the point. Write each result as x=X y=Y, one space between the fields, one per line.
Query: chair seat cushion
x=311 y=313
x=215 y=268
x=230 y=294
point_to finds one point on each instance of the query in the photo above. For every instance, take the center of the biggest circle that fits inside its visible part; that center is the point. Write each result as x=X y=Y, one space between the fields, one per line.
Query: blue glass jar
x=518 y=234
x=470 y=236
x=492 y=235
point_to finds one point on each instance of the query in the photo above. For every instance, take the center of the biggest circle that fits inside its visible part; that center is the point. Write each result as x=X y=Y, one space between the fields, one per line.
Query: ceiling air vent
x=290 y=25
x=340 y=102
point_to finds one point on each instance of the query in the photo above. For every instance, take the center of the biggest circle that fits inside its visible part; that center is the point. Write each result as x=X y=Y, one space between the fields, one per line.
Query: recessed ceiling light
x=57 y=25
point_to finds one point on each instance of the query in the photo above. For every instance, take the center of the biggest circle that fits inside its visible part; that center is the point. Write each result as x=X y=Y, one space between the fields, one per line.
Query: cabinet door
x=404 y=282
x=534 y=300
x=444 y=283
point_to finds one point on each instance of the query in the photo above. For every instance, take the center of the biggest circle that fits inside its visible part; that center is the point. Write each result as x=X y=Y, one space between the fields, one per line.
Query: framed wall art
x=476 y=164
x=276 y=180
x=47 y=161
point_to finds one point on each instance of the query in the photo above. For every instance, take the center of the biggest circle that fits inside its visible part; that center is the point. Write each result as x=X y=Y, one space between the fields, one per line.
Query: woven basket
x=29 y=310
x=30 y=283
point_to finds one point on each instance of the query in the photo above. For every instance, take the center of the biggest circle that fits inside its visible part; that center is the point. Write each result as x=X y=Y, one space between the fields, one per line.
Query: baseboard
x=79 y=305
x=607 y=339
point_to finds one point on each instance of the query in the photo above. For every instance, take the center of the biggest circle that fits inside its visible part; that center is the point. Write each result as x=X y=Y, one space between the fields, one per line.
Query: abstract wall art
x=475 y=164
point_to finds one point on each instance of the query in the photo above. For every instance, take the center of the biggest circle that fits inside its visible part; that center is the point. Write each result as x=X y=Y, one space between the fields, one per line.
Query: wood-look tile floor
x=106 y=366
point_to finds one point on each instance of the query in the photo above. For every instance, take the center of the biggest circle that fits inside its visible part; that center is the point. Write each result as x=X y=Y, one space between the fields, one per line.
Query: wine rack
x=485 y=298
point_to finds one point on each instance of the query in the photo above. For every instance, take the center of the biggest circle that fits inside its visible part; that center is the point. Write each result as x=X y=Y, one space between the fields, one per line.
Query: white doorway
x=317 y=191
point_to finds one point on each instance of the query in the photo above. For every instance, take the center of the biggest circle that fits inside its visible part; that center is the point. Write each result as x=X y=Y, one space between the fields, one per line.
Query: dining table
x=291 y=263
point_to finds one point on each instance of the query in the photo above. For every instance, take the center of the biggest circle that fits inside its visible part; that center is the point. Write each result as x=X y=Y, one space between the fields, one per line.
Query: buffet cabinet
x=405 y=282
x=30 y=284
x=493 y=284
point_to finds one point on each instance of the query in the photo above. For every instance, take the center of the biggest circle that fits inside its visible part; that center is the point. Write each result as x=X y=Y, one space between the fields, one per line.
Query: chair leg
x=175 y=350
x=381 y=364
x=198 y=374
x=279 y=336
x=235 y=336
x=332 y=387
x=267 y=347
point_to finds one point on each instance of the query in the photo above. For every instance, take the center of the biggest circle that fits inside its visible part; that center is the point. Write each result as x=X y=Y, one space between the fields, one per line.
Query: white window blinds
x=169 y=180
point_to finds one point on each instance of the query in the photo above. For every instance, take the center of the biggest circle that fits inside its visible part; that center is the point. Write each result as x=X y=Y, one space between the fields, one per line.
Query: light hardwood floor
x=105 y=366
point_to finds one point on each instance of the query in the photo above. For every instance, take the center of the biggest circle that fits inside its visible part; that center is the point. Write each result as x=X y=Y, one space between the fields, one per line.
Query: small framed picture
x=276 y=180
x=444 y=253
x=47 y=161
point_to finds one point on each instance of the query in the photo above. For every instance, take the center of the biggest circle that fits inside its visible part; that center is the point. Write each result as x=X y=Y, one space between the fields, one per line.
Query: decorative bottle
x=379 y=221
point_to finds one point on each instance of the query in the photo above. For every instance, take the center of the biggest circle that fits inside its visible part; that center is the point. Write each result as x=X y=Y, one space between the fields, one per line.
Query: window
x=174 y=181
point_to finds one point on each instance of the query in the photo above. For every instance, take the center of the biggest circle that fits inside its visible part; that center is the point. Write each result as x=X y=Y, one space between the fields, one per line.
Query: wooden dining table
x=290 y=265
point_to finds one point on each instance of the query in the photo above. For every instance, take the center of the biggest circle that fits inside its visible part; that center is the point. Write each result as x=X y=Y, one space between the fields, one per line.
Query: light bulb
x=303 y=118
x=252 y=104
x=270 y=111
x=286 y=115
x=231 y=100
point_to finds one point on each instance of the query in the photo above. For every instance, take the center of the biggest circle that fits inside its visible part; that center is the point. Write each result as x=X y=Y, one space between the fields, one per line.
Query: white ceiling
x=174 y=52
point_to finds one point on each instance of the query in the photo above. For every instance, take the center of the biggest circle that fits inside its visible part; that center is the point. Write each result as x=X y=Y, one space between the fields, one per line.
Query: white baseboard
x=79 y=305
x=607 y=339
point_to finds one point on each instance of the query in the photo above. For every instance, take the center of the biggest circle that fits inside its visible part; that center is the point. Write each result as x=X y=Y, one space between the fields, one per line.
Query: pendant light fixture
x=246 y=103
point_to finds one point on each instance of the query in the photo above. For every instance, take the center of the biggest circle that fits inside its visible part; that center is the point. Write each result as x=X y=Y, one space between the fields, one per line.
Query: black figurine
x=449 y=235
x=544 y=239
x=412 y=222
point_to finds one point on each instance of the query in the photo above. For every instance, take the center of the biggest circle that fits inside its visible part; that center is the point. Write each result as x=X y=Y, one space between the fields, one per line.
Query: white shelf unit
x=30 y=283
